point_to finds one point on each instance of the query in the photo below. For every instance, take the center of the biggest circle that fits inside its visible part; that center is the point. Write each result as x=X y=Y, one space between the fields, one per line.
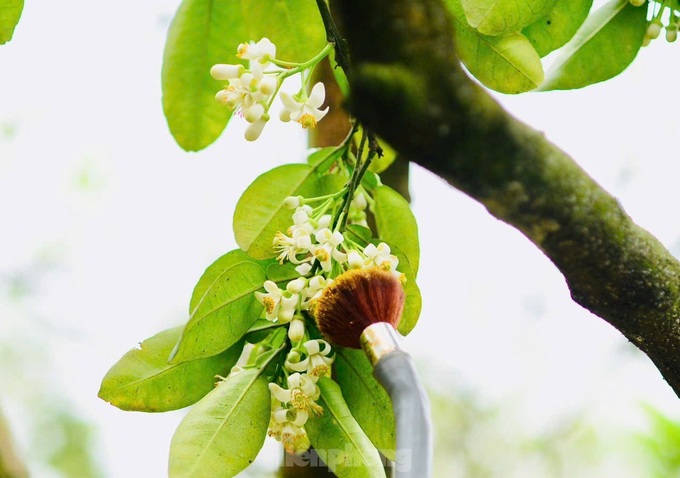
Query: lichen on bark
x=408 y=87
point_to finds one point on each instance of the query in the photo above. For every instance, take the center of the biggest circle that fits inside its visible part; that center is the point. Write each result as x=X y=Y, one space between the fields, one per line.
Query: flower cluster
x=656 y=24
x=251 y=91
x=320 y=252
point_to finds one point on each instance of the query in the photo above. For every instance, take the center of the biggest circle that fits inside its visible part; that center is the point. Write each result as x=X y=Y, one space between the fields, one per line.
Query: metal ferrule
x=378 y=340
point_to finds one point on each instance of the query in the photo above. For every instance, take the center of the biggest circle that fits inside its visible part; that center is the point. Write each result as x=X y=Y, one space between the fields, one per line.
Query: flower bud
x=296 y=330
x=226 y=72
x=292 y=202
x=254 y=130
x=654 y=29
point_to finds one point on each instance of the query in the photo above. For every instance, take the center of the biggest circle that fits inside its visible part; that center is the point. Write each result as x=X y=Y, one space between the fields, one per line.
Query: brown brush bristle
x=355 y=300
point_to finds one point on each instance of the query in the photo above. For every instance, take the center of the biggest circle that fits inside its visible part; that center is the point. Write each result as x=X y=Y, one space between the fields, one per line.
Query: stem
x=333 y=36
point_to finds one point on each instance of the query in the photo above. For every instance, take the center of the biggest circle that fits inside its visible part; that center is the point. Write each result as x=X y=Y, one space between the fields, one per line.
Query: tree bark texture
x=409 y=87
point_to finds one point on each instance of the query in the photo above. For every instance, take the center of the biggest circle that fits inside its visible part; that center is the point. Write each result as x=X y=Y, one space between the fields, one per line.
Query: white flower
x=278 y=305
x=289 y=248
x=317 y=363
x=304 y=110
x=356 y=261
x=381 y=257
x=261 y=52
x=249 y=92
x=327 y=248
x=301 y=393
x=271 y=300
x=315 y=287
x=287 y=426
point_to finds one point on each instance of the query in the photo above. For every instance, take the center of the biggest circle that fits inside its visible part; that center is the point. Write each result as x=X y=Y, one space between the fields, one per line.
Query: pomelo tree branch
x=408 y=86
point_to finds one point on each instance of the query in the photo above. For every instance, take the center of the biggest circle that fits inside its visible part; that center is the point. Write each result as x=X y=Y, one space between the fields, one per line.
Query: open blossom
x=305 y=111
x=287 y=426
x=327 y=248
x=301 y=393
x=261 y=52
x=278 y=305
x=381 y=256
x=318 y=361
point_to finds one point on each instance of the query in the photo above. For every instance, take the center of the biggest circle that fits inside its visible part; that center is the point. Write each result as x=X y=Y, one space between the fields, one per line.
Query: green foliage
x=662 y=443
x=396 y=224
x=224 y=314
x=558 y=26
x=204 y=33
x=339 y=439
x=506 y=63
x=501 y=41
x=602 y=48
x=223 y=433
x=143 y=380
x=196 y=41
x=366 y=398
x=413 y=303
x=215 y=271
x=260 y=212
x=498 y=17
x=10 y=13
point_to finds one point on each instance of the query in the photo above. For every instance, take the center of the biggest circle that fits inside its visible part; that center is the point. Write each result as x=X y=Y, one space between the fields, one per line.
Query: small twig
x=333 y=36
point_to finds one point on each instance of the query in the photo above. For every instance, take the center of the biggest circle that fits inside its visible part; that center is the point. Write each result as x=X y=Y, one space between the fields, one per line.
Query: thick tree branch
x=410 y=89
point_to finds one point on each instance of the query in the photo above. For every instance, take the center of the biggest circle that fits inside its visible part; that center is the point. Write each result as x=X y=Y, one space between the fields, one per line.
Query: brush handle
x=396 y=373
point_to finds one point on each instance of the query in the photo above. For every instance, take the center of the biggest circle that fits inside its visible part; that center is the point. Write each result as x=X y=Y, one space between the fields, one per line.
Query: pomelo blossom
x=305 y=110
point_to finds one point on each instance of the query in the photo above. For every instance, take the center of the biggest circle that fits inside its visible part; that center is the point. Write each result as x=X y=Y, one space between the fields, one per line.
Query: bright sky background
x=92 y=183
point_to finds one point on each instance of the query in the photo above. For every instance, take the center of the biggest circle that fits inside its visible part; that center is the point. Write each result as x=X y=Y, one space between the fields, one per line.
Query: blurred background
x=106 y=225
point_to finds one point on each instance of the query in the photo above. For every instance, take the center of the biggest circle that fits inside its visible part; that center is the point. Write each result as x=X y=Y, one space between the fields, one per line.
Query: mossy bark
x=408 y=86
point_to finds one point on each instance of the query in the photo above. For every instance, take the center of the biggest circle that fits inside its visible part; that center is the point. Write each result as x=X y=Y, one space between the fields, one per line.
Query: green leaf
x=414 y=302
x=558 y=26
x=10 y=13
x=396 y=224
x=339 y=74
x=498 y=17
x=282 y=273
x=260 y=212
x=366 y=398
x=143 y=380
x=223 y=433
x=215 y=270
x=359 y=234
x=323 y=158
x=201 y=34
x=338 y=438
x=602 y=48
x=294 y=26
x=507 y=63
x=383 y=162
x=204 y=33
x=224 y=314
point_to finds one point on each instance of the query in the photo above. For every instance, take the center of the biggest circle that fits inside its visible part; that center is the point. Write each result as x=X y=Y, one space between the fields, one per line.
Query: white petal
x=222 y=96
x=281 y=394
x=312 y=347
x=253 y=113
x=289 y=103
x=284 y=116
x=317 y=96
x=271 y=287
x=294 y=380
x=303 y=269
